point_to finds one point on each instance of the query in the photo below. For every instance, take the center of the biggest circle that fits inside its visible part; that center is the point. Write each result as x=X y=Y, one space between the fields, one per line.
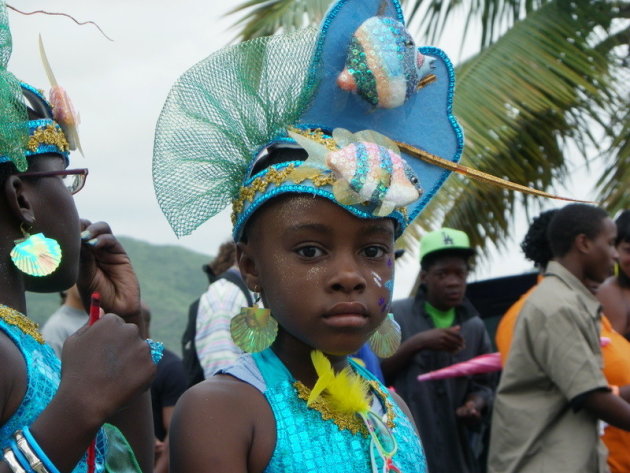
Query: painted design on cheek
x=377 y=279
x=382 y=303
x=389 y=262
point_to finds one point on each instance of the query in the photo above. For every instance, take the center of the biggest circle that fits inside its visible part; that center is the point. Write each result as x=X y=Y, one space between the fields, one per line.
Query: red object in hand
x=95 y=314
x=95 y=308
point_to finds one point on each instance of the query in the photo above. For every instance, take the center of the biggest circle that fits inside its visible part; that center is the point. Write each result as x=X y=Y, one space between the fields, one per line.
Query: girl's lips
x=346 y=321
x=346 y=315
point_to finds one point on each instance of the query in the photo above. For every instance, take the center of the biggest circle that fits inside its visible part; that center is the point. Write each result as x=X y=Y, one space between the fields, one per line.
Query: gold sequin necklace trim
x=346 y=420
x=21 y=321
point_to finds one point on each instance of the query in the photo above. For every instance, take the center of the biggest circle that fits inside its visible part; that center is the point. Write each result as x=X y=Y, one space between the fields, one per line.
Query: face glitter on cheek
x=377 y=279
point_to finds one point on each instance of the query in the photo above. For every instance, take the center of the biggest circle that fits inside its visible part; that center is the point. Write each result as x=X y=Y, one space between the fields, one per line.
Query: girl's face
x=325 y=274
x=56 y=217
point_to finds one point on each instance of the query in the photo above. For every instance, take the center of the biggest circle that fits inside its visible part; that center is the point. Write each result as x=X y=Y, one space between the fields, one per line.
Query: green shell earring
x=253 y=329
x=386 y=340
x=36 y=255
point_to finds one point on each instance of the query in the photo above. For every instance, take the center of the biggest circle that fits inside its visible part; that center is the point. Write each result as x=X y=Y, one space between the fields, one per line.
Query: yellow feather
x=345 y=392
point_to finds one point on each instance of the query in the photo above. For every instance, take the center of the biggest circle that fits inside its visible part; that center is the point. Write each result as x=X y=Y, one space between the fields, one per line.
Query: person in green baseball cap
x=440 y=327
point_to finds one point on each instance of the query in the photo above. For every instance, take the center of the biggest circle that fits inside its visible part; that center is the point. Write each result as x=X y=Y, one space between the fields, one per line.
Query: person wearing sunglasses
x=51 y=420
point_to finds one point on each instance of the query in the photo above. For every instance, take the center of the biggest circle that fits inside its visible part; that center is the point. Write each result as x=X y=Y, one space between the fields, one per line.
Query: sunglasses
x=73 y=179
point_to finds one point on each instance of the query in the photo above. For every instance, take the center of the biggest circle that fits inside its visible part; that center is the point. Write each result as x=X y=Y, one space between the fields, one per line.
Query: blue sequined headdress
x=357 y=94
x=21 y=137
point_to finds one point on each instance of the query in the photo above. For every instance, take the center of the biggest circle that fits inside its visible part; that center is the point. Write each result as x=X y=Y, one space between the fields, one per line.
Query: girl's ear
x=247 y=265
x=17 y=200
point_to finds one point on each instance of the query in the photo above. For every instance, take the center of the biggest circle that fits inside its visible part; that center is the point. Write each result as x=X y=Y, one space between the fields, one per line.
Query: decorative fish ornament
x=63 y=110
x=383 y=65
x=367 y=167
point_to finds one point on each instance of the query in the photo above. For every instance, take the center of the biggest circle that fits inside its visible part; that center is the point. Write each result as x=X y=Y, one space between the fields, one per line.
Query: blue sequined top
x=308 y=443
x=43 y=371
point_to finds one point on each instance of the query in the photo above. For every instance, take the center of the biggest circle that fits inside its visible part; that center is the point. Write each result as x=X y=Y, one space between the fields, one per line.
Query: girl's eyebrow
x=313 y=227
x=379 y=228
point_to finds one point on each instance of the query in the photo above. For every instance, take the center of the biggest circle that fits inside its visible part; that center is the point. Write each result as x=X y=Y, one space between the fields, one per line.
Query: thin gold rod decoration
x=478 y=175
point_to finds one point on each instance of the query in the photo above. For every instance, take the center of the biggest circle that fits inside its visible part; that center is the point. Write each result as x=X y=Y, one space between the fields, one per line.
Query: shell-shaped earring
x=386 y=340
x=253 y=329
x=36 y=255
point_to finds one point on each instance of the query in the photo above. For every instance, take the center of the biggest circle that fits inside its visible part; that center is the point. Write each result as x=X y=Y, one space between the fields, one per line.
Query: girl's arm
x=104 y=367
x=106 y=268
x=221 y=426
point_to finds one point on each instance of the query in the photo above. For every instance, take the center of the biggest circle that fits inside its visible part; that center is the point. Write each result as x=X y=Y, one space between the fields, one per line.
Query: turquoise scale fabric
x=307 y=443
x=44 y=374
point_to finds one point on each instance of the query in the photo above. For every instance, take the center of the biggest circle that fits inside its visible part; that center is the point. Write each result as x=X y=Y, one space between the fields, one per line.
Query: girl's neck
x=296 y=356
x=12 y=289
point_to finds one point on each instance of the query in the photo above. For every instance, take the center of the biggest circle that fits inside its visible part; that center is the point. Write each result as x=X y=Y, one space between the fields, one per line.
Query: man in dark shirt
x=440 y=328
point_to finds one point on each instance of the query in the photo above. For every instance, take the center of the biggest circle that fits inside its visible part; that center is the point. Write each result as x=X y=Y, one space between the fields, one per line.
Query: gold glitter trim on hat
x=48 y=135
x=347 y=421
x=316 y=135
x=21 y=321
x=277 y=177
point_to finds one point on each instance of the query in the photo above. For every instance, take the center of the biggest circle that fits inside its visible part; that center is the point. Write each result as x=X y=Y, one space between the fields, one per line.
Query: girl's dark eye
x=374 y=252
x=309 y=252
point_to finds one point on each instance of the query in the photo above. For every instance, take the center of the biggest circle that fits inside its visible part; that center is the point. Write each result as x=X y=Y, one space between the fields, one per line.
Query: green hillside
x=170 y=279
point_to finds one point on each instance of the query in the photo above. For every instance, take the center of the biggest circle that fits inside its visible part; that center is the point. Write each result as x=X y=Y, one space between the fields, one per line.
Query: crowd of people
x=297 y=358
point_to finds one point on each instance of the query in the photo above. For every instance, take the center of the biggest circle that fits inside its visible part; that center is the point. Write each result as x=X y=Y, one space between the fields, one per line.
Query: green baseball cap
x=445 y=239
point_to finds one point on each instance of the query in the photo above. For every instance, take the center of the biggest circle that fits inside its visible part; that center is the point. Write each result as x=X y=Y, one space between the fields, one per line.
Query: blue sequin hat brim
x=275 y=187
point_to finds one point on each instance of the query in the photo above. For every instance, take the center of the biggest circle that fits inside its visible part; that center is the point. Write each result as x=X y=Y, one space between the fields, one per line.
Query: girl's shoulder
x=226 y=419
x=12 y=377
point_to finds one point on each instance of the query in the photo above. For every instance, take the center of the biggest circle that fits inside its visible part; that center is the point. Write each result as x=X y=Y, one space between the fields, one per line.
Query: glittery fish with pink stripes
x=368 y=169
x=383 y=65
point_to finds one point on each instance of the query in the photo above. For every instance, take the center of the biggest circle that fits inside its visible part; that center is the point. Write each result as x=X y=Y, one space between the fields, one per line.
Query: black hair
x=623 y=227
x=571 y=221
x=432 y=258
x=275 y=154
x=535 y=245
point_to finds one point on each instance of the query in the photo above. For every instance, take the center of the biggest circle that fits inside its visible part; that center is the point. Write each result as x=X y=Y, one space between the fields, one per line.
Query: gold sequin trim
x=48 y=135
x=345 y=420
x=318 y=136
x=277 y=177
x=21 y=321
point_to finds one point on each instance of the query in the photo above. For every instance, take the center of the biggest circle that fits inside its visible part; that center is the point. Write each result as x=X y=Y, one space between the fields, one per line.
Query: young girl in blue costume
x=305 y=134
x=49 y=418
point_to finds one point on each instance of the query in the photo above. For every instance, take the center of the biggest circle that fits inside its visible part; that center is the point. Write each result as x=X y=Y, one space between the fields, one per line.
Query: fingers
x=96 y=234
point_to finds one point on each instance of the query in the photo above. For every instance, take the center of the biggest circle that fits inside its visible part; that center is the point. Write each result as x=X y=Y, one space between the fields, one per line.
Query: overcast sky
x=119 y=88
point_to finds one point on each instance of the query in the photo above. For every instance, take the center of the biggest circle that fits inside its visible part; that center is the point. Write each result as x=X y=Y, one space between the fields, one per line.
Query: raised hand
x=442 y=339
x=105 y=366
x=105 y=267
